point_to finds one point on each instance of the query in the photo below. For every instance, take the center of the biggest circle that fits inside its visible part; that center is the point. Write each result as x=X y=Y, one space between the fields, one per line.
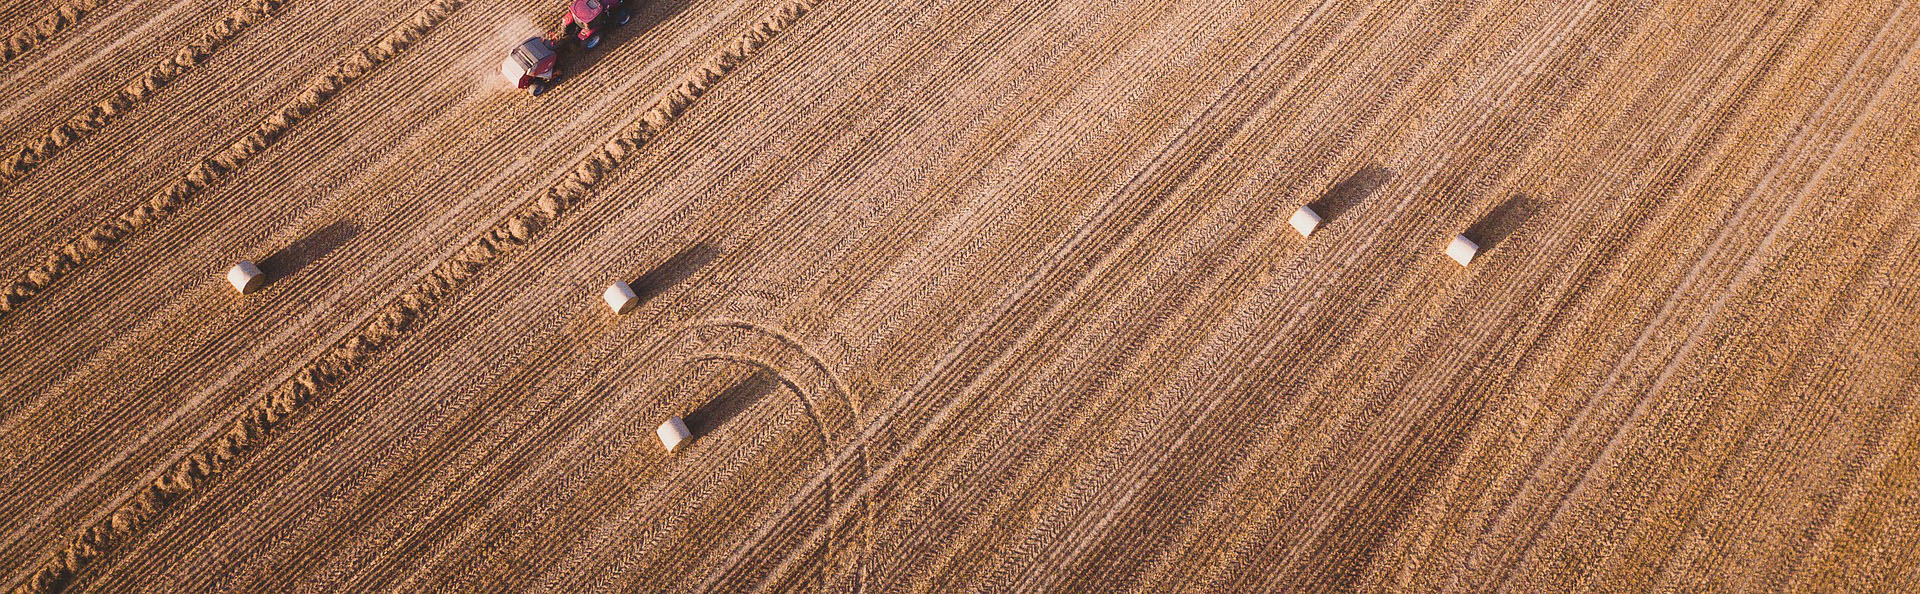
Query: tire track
x=891 y=239
x=1798 y=379
x=1070 y=261
x=1863 y=508
x=1823 y=268
x=899 y=245
x=809 y=400
x=463 y=535
x=494 y=147
x=1193 y=386
x=1063 y=430
x=1750 y=265
x=1640 y=409
x=1293 y=359
x=346 y=358
x=655 y=349
x=1311 y=407
x=830 y=440
x=1582 y=147
x=497 y=281
x=1570 y=51
x=814 y=359
x=799 y=217
x=1239 y=245
x=789 y=218
x=1826 y=529
x=1704 y=140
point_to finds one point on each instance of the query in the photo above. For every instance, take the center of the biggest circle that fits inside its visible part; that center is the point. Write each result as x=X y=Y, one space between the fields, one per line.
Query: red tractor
x=587 y=18
x=531 y=64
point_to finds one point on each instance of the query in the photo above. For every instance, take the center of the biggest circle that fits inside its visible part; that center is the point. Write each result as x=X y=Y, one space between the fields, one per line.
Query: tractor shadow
x=729 y=403
x=1503 y=221
x=576 y=59
x=674 y=271
x=307 y=250
x=1350 y=192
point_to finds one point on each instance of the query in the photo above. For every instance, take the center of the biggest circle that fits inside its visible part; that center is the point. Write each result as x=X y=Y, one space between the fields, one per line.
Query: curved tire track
x=836 y=434
x=339 y=363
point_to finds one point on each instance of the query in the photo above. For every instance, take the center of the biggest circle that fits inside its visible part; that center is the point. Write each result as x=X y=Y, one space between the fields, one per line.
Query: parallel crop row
x=218 y=166
x=141 y=87
x=55 y=572
x=338 y=364
x=60 y=19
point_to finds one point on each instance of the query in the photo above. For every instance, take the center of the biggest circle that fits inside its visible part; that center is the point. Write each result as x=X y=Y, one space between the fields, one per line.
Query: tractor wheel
x=625 y=16
x=538 y=88
x=592 y=41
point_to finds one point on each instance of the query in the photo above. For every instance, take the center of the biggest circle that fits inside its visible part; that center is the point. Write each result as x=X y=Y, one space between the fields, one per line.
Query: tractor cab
x=586 y=19
x=530 y=64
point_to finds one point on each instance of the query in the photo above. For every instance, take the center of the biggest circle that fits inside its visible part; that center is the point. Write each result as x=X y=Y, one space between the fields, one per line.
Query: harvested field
x=983 y=296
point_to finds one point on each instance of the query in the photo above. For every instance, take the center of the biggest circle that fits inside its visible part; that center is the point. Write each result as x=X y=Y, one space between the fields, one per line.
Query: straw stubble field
x=993 y=296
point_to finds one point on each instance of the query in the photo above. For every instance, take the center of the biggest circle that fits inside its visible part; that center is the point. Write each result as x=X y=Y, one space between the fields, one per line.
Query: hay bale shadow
x=1350 y=192
x=307 y=250
x=729 y=403
x=674 y=271
x=1503 y=221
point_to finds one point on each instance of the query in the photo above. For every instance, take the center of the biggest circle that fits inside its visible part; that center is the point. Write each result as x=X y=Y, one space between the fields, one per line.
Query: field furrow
x=962 y=296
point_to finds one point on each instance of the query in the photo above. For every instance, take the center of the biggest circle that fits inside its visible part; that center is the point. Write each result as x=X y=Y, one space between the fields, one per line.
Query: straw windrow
x=340 y=362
